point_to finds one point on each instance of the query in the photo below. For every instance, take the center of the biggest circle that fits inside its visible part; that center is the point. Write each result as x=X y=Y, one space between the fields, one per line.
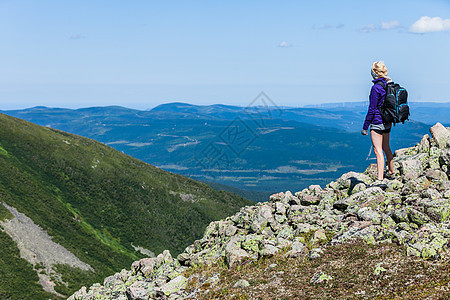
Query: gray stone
x=315 y=253
x=139 y=290
x=319 y=237
x=401 y=152
x=234 y=252
x=296 y=250
x=413 y=163
x=368 y=195
x=296 y=213
x=280 y=208
x=309 y=200
x=394 y=185
x=268 y=250
x=276 y=197
x=410 y=175
x=368 y=214
x=436 y=175
x=400 y=215
x=290 y=199
x=440 y=134
x=287 y=232
x=241 y=284
x=175 y=285
x=444 y=158
x=431 y=194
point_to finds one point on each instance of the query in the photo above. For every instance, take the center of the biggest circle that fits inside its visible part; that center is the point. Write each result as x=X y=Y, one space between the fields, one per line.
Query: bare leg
x=377 y=142
x=388 y=152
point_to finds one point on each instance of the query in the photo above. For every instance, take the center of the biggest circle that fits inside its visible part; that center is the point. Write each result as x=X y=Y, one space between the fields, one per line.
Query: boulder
x=233 y=251
x=368 y=214
x=174 y=286
x=438 y=210
x=441 y=135
x=371 y=195
x=413 y=163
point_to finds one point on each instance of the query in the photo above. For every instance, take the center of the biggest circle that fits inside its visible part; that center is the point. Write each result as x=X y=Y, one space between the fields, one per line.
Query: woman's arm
x=373 y=102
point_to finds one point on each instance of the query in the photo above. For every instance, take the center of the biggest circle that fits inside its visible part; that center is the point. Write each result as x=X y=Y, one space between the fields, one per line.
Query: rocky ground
x=405 y=222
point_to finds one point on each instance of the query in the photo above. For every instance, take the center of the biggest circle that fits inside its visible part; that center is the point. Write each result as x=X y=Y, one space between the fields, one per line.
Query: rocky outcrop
x=412 y=210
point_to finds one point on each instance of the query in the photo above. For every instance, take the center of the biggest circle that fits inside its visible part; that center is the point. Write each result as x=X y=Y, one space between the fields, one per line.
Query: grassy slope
x=351 y=266
x=96 y=201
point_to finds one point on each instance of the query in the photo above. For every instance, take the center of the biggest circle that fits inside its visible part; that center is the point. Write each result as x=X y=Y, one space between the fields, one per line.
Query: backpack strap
x=381 y=83
x=385 y=88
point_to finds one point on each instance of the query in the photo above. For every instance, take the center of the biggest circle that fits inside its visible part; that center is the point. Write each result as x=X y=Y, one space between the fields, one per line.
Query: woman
x=379 y=132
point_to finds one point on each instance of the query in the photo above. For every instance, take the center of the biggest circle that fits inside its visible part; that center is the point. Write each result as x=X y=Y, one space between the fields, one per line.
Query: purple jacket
x=376 y=98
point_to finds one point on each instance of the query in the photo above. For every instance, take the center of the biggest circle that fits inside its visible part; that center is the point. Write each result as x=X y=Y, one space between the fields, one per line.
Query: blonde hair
x=379 y=68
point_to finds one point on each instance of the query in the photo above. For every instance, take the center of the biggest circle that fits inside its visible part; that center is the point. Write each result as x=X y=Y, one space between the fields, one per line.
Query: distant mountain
x=74 y=210
x=262 y=149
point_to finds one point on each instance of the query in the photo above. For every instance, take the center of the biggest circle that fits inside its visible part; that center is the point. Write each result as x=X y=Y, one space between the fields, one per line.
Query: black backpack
x=394 y=108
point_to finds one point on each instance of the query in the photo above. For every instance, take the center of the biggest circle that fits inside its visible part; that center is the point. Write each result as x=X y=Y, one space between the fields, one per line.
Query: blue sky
x=139 y=54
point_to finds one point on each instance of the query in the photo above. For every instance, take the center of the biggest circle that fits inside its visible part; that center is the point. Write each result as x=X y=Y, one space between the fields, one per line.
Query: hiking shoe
x=389 y=176
x=380 y=184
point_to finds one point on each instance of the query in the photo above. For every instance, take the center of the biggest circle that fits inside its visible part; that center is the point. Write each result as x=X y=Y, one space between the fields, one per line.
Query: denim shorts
x=381 y=128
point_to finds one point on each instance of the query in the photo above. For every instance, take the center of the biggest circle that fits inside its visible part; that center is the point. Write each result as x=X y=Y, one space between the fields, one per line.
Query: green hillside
x=96 y=202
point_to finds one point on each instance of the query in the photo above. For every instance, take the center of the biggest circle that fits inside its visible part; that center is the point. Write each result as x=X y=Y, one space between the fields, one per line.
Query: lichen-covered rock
x=438 y=210
x=174 y=286
x=417 y=217
x=290 y=199
x=251 y=243
x=320 y=277
x=368 y=214
x=372 y=194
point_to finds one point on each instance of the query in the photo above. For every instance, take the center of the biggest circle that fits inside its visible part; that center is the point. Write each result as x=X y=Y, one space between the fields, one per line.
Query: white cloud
x=328 y=26
x=77 y=37
x=284 y=44
x=390 y=25
x=428 y=24
x=368 y=28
